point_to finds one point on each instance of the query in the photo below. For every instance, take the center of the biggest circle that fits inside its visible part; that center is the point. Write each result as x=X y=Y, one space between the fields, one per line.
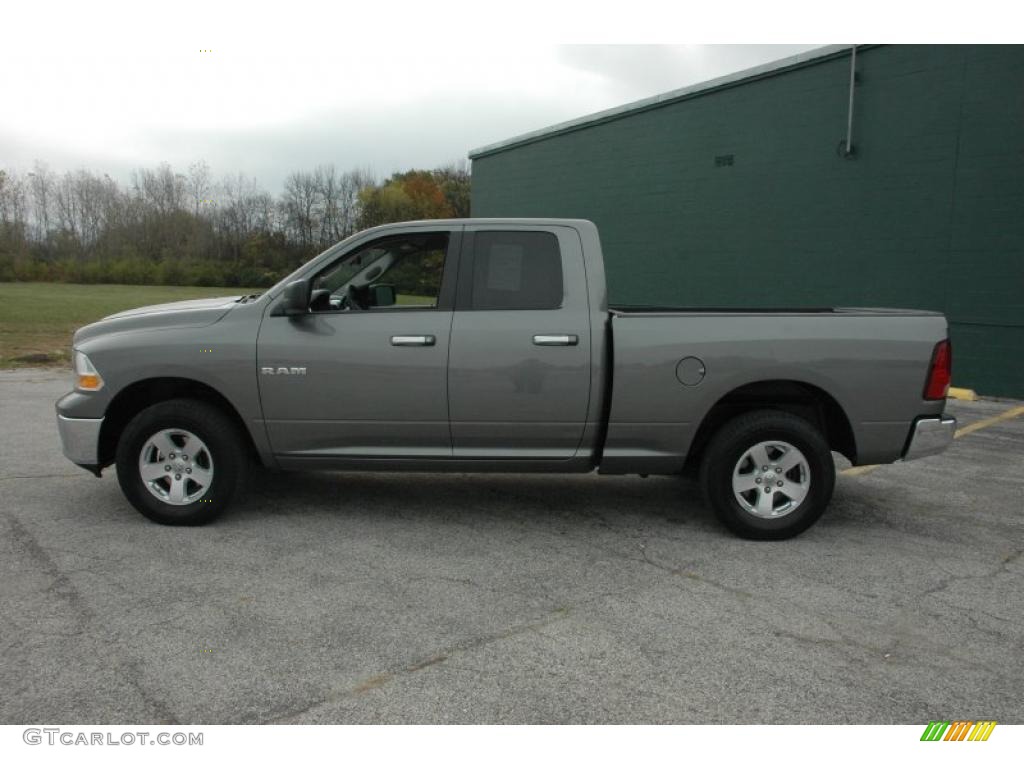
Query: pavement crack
x=947 y=582
x=497 y=589
x=165 y=715
x=83 y=619
x=60 y=585
x=688 y=572
x=830 y=642
x=384 y=678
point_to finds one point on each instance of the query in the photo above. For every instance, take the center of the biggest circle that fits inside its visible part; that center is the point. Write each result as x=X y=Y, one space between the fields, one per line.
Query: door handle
x=556 y=339
x=412 y=341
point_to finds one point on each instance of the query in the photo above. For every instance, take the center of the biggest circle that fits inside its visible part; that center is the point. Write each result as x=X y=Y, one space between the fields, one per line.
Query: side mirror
x=295 y=299
x=383 y=295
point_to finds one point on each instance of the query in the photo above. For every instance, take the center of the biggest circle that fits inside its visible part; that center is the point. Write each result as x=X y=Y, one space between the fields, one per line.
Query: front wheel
x=180 y=462
x=768 y=475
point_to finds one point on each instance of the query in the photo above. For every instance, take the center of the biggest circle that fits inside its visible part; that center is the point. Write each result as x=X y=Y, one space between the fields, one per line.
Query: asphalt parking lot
x=509 y=598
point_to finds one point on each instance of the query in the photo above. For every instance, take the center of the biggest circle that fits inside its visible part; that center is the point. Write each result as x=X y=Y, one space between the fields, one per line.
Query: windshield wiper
x=250 y=297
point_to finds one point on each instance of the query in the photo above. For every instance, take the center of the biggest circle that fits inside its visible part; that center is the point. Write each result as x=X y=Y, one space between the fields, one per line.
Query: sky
x=371 y=108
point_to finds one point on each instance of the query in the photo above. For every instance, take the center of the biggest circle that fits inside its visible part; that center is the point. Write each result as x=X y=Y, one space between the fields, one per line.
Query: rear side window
x=516 y=270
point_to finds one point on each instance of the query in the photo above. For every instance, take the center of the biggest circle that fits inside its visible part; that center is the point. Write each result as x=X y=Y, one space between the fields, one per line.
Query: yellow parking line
x=860 y=470
x=1004 y=416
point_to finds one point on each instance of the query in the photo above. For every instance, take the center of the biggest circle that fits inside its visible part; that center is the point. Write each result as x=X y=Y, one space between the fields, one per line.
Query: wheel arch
x=799 y=398
x=135 y=397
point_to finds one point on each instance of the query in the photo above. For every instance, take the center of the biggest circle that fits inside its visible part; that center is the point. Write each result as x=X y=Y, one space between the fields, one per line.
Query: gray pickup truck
x=487 y=345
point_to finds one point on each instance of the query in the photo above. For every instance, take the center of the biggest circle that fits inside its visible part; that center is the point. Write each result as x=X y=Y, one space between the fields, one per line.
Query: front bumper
x=930 y=435
x=80 y=439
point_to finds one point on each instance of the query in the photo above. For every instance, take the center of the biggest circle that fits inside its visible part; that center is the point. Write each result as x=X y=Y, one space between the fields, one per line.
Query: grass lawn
x=37 y=320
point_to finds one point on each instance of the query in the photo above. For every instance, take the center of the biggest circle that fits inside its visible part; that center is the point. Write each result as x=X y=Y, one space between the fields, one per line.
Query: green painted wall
x=929 y=213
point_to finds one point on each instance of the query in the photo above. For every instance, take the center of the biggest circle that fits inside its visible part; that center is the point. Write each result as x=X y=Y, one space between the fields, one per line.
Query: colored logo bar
x=958 y=730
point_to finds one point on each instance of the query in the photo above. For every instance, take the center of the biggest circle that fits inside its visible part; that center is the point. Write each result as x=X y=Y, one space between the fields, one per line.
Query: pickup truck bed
x=850 y=360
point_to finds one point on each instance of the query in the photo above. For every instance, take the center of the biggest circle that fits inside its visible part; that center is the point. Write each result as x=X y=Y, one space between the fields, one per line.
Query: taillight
x=940 y=373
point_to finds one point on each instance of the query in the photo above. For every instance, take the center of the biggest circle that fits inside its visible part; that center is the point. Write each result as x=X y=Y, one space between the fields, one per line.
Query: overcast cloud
x=381 y=110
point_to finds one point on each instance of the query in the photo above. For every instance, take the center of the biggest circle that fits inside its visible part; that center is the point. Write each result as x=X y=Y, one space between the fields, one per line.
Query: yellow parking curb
x=959 y=393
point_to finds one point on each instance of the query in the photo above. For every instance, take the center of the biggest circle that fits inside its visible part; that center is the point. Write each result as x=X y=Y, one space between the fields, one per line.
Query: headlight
x=88 y=378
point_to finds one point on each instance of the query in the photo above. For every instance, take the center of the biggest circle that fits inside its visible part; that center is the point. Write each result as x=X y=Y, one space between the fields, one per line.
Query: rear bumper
x=930 y=435
x=80 y=439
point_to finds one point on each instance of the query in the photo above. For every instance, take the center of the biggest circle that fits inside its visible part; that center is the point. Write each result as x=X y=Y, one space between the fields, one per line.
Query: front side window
x=516 y=270
x=401 y=272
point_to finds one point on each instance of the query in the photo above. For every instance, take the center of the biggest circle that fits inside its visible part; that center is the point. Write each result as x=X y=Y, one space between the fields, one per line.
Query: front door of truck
x=519 y=368
x=364 y=374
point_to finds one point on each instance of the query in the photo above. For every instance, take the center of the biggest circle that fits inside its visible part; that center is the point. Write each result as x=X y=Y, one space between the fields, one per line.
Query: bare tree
x=352 y=183
x=199 y=185
x=68 y=213
x=162 y=189
x=300 y=202
x=244 y=210
x=328 y=189
x=265 y=212
x=13 y=201
x=41 y=184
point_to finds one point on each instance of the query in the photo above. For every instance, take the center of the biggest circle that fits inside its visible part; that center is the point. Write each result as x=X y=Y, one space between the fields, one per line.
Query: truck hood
x=193 y=313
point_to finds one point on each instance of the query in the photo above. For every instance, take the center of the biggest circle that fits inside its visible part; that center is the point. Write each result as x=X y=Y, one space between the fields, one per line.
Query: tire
x=733 y=483
x=197 y=488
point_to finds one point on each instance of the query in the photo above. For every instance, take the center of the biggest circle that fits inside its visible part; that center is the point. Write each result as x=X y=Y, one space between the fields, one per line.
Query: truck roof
x=529 y=221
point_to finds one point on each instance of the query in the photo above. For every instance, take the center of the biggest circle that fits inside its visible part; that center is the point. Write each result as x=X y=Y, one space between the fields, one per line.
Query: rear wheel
x=768 y=475
x=180 y=462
